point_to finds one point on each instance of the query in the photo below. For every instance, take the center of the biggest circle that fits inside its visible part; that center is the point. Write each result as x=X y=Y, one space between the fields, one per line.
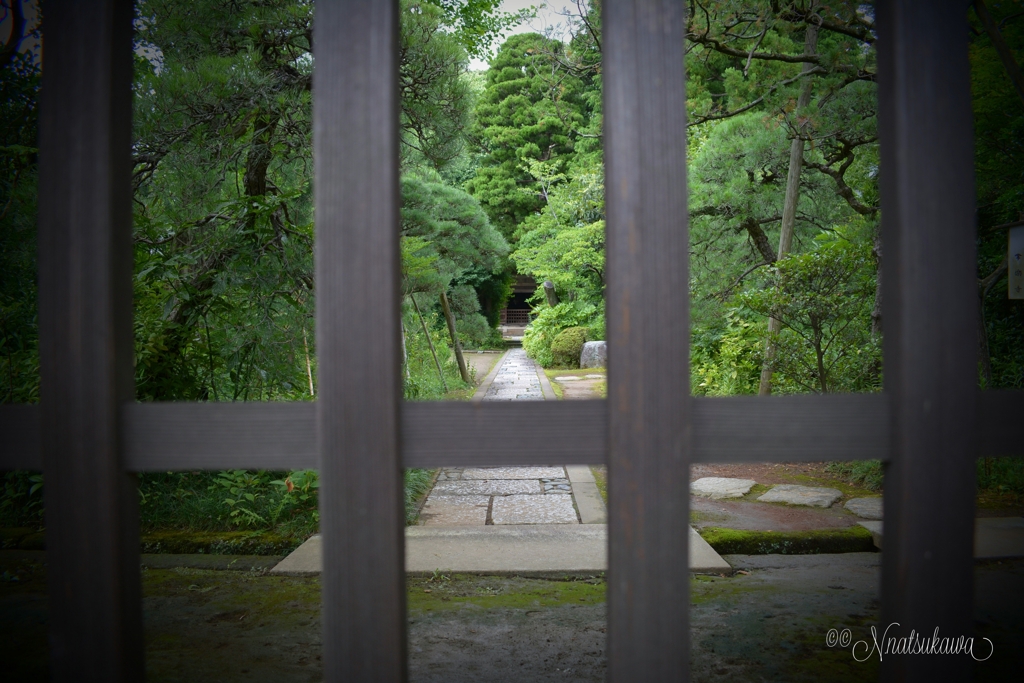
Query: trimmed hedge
x=567 y=346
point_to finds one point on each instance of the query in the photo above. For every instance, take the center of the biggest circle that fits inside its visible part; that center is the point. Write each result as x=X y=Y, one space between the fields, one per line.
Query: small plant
x=21 y=501
x=243 y=489
x=299 y=487
x=440 y=577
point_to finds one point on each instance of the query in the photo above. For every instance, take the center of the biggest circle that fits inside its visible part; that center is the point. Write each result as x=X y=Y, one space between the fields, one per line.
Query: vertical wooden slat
x=648 y=333
x=927 y=175
x=85 y=285
x=355 y=128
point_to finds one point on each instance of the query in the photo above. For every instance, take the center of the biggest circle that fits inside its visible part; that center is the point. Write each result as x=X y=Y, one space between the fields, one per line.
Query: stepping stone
x=455 y=511
x=594 y=376
x=792 y=494
x=868 y=508
x=533 y=510
x=487 y=487
x=721 y=487
x=568 y=378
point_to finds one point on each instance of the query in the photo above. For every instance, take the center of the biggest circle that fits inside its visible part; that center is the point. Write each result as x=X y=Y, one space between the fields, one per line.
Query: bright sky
x=550 y=20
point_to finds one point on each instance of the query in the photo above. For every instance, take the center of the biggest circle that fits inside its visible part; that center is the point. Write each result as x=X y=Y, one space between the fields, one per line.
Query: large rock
x=868 y=508
x=802 y=495
x=720 y=487
x=594 y=355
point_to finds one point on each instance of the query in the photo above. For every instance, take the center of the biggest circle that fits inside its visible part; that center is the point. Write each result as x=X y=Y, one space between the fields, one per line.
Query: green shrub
x=551 y=320
x=567 y=346
x=476 y=333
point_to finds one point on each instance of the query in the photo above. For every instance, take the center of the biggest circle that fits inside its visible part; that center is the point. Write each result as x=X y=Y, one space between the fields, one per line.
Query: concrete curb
x=545 y=384
x=481 y=391
x=586 y=494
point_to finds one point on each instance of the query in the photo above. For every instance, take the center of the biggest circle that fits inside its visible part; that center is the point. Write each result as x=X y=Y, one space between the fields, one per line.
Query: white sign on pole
x=1015 y=263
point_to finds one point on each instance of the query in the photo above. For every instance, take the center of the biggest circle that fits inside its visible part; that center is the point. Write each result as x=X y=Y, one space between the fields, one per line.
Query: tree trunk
x=549 y=293
x=984 y=287
x=405 y=353
x=796 y=160
x=450 y=319
x=876 y=312
x=430 y=343
x=309 y=367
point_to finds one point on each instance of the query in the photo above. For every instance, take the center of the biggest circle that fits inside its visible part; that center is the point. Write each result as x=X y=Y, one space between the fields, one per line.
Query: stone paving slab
x=553 y=509
x=535 y=550
x=487 y=487
x=455 y=510
x=513 y=473
x=718 y=488
x=791 y=494
x=866 y=508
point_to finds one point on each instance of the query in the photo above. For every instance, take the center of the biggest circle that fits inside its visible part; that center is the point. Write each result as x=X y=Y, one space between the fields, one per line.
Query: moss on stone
x=854 y=539
x=219 y=542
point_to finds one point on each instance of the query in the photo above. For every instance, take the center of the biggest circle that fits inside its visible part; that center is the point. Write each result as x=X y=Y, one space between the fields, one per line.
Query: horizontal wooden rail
x=21 y=445
x=208 y=436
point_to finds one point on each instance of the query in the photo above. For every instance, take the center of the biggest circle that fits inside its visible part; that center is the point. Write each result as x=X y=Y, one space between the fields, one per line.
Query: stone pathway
x=484 y=496
x=517 y=379
x=528 y=521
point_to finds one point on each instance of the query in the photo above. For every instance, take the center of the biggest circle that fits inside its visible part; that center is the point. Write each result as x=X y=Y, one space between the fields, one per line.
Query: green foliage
x=417 y=483
x=529 y=111
x=551 y=320
x=19 y=334
x=867 y=473
x=21 y=503
x=999 y=174
x=726 y=360
x=477 y=24
x=423 y=382
x=1005 y=475
x=823 y=299
x=231 y=500
x=476 y=333
x=240 y=489
x=567 y=346
x=450 y=235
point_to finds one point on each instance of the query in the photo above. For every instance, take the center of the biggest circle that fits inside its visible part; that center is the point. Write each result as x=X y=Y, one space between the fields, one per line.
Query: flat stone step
x=529 y=550
x=718 y=488
x=994 y=537
x=867 y=508
x=792 y=494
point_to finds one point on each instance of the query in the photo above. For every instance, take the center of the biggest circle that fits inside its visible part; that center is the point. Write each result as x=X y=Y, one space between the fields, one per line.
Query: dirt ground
x=767 y=623
x=480 y=362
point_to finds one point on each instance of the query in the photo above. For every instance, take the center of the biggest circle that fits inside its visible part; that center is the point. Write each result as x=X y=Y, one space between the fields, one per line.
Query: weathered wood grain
x=930 y=312
x=650 y=417
x=85 y=341
x=355 y=138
